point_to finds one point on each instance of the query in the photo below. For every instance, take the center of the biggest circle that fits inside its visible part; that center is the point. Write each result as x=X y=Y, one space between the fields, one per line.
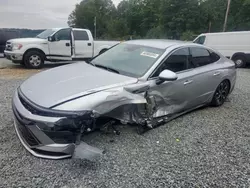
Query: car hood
x=27 y=40
x=65 y=83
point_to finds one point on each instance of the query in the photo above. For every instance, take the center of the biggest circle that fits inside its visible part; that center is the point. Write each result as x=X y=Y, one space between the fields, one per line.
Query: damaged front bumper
x=38 y=134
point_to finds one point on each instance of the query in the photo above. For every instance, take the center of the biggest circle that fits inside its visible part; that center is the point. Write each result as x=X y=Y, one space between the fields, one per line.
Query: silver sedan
x=143 y=82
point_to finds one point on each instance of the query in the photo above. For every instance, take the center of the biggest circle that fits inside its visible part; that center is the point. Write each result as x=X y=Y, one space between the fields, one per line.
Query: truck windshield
x=45 y=34
x=200 y=40
x=128 y=59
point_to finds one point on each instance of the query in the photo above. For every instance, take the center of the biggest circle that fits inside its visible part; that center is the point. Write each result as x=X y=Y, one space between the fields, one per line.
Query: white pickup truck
x=59 y=44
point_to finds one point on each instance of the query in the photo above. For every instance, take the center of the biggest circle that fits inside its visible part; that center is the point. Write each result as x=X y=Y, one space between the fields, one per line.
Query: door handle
x=216 y=73
x=89 y=44
x=67 y=44
x=188 y=82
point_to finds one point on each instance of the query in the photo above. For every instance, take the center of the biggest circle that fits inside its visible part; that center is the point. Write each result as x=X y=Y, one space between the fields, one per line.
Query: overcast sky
x=36 y=14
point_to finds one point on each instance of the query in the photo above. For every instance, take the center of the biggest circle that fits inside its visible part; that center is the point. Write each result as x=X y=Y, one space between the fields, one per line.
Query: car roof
x=156 y=43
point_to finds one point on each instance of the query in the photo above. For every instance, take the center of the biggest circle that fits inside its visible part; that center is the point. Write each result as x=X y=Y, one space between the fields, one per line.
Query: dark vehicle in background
x=5 y=35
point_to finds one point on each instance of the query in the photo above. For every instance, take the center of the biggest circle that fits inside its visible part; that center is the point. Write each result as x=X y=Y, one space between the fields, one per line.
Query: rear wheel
x=240 y=61
x=34 y=60
x=102 y=51
x=221 y=93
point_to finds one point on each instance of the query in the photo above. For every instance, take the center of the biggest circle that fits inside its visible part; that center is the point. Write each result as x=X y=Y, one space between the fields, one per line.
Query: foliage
x=188 y=36
x=174 y=19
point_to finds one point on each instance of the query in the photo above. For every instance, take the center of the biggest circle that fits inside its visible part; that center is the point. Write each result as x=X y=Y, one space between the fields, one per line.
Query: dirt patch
x=17 y=72
x=9 y=70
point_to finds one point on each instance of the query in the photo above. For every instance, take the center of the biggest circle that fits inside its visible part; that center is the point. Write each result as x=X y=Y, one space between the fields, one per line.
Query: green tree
x=84 y=14
x=174 y=19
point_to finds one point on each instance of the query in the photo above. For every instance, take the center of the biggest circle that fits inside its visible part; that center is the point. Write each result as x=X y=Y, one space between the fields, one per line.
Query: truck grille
x=8 y=46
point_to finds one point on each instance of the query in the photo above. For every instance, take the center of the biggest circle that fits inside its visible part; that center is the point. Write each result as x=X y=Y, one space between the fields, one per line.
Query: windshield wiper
x=106 y=68
x=89 y=62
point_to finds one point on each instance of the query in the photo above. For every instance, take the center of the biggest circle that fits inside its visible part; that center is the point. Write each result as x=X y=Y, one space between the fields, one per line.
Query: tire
x=34 y=59
x=240 y=61
x=221 y=93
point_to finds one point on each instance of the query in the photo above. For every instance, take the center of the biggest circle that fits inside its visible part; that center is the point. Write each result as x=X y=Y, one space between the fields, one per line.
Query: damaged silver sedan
x=144 y=83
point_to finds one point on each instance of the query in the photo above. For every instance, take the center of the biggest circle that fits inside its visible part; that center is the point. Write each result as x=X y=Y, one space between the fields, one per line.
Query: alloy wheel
x=222 y=92
x=239 y=62
x=35 y=60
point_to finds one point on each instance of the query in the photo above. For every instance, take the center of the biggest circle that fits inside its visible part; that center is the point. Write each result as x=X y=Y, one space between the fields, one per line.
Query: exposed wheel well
x=34 y=49
x=238 y=54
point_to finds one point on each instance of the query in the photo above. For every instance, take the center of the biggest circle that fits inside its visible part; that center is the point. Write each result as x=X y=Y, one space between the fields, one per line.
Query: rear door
x=83 y=44
x=60 y=46
x=208 y=73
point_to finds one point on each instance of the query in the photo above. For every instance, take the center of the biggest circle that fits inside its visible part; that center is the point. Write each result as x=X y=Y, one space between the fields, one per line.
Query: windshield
x=200 y=40
x=45 y=34
x=129 y=59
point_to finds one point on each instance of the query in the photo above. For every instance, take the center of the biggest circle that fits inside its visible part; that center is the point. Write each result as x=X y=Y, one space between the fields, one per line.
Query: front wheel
x=34 y=60
x=221 y=93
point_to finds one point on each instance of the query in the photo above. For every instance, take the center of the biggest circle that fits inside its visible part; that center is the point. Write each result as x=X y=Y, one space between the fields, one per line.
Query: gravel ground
x=209 y=147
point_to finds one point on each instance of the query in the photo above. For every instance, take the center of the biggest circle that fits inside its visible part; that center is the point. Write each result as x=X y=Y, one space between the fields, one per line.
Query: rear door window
x=200 y=56
x=80 y=35
x=214 y=56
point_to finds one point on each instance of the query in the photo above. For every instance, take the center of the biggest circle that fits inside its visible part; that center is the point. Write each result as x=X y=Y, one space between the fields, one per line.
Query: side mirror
x=50 y=38
x=167 y=75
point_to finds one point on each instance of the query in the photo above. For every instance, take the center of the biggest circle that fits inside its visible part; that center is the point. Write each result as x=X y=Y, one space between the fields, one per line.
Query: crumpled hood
x=27 y=40
x=64 y=83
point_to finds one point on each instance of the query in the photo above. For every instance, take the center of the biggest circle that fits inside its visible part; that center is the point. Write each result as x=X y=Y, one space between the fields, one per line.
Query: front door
x=60 y=46
x=174 y=96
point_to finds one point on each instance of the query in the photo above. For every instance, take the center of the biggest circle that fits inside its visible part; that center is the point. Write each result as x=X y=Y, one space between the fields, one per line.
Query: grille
x=27 y=135
x=25 y=132
x=8 y=46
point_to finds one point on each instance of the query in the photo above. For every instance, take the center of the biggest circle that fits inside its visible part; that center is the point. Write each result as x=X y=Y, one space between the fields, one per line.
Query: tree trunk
x=226 y=16
x=209 y=26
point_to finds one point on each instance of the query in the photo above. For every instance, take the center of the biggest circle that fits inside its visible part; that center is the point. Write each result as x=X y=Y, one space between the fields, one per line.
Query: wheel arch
x=103 y=50
x=238 y=54
x=224 y=79
x=34 y=49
